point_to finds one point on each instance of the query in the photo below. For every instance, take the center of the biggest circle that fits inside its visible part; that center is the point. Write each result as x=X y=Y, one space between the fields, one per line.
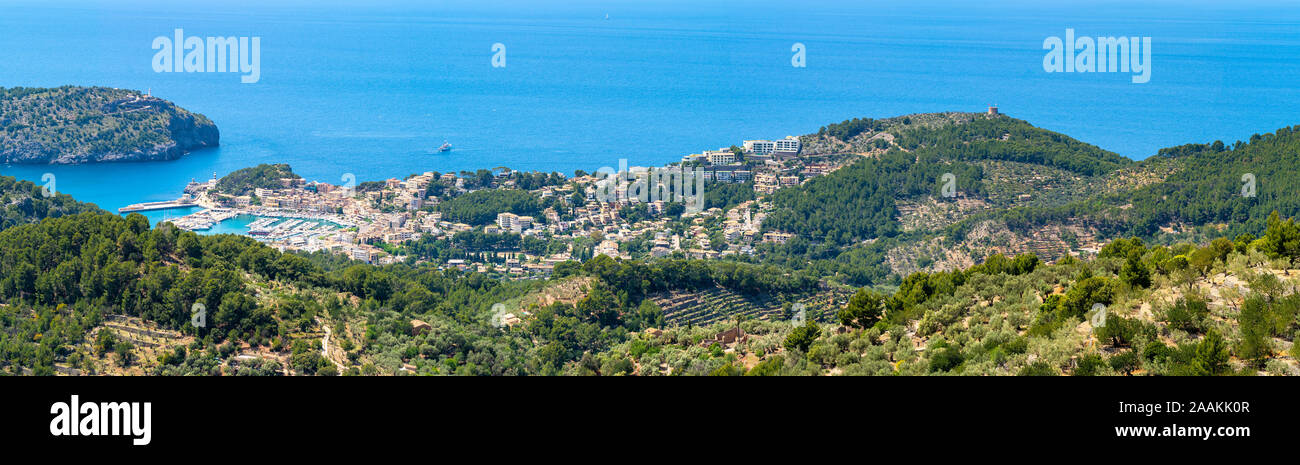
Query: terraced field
x=719 y=304
x=149 y=341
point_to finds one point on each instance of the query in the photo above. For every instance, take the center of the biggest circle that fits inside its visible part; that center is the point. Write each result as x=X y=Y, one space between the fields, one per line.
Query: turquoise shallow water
x=172 y=213
x=372 y=91
x=237 y=225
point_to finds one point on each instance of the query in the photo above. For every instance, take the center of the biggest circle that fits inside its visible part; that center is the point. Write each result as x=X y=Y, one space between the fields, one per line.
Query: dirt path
x=325 y=346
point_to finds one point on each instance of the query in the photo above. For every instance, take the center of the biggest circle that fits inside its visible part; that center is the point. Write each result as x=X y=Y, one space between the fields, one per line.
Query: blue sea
x=372 y=88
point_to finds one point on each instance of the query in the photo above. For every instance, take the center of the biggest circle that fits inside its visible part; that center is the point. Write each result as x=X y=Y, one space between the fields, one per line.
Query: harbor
x=264 y=225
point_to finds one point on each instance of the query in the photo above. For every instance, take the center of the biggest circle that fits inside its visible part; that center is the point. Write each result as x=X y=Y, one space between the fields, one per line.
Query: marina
x=277 y=228
x=264 y=226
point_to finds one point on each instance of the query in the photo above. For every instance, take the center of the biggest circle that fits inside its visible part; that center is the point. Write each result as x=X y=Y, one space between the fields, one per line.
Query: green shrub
x=1187 y=314
x=1038 y=369
x=1089 y=365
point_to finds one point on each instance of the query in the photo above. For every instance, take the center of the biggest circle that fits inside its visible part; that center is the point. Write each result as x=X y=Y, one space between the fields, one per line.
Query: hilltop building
x=790 y=144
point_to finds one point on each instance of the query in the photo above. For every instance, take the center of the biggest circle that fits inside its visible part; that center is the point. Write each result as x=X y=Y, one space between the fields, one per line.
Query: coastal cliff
x=68 y=125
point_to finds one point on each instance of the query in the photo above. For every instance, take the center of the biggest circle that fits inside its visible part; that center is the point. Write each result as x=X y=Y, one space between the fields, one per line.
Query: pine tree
x=1211 y=355
x=1135 y=273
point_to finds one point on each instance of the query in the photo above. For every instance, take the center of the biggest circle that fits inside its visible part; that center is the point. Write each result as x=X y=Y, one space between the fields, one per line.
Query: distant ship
x=445 y=147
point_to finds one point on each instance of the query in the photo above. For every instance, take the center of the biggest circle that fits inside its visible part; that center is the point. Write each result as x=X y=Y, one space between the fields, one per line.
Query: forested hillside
x=1229 y=309
x=24 y=202
x=849 y=221
x=64 y=277
x=1237 y=186
x=1009 y=139
x=1015 y=188
x=73 y=124
x=246 y=180
x=482 y=206
x=859 y=202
